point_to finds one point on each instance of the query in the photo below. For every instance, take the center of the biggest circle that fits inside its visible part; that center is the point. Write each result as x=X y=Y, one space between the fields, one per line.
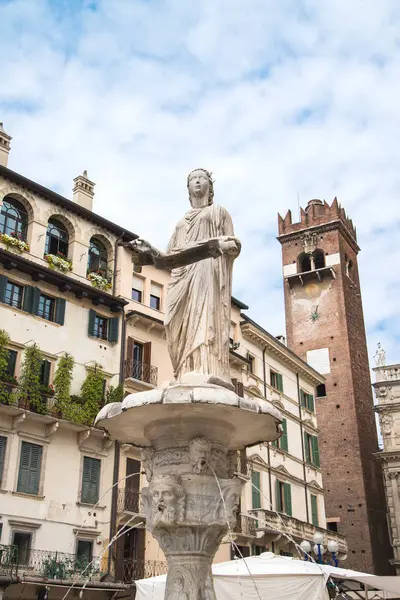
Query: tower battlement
x=317 y=212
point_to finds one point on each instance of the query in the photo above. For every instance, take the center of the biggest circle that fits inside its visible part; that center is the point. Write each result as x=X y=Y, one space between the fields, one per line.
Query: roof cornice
x=336 y=224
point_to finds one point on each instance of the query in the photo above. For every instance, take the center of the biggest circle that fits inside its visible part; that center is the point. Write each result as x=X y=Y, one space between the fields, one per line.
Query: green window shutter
x=302 y=398
x=29 y=468
x=3 y=444
x=275 y=443
x=315 y=450
x=278 y=498
x=92 y=317
x=255 y=489
x=60 y=311
x=307 y=448
x=287 y=492
x=279 y=382
x=11 y=361
x=45 y=372
x=310 y=402
x=3 y=285
x=314 y=510
x=28 y=298
x=90 y=480
x=284 y=438
x=113 y=326
x=35 y=300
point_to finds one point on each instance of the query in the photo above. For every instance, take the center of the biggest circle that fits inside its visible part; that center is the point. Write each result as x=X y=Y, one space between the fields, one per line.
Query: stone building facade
x=387 y=392
x=68 y=285
x=325 y=326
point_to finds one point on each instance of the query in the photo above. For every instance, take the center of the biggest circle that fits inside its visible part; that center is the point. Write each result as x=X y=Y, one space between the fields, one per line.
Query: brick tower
x=325 y=326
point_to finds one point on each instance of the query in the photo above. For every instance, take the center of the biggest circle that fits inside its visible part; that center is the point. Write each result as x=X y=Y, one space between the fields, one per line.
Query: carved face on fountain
x=168 y=499
x=199 y=453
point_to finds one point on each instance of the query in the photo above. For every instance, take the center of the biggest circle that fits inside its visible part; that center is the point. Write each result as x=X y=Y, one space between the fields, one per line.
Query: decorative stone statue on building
x=190 y=431
x=198 y=302
x=380 y=356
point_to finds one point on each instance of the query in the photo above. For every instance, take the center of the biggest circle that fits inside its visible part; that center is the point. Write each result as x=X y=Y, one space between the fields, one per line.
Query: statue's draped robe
x=198 y=303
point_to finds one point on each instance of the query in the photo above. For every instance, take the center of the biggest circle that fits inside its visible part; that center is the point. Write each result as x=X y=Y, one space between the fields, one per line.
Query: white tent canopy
x=272 y=577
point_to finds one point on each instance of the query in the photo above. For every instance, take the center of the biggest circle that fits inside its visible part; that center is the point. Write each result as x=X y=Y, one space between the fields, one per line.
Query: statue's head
x=201 y=188
x=168 y=499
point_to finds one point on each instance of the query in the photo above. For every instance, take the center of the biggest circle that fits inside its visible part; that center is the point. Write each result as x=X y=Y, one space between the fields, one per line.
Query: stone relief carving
x=164 y=501
x=386 y=423
x=147 y=458
x=199 y=453
x=309 y=241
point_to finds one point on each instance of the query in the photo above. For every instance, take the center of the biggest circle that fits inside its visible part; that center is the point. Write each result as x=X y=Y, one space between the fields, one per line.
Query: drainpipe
x=114 y=493
x=268 y=449
x=302 y=447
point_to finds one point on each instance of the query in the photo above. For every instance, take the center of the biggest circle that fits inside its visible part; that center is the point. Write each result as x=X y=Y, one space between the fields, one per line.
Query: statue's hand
x=140 y=246
x=229 y=245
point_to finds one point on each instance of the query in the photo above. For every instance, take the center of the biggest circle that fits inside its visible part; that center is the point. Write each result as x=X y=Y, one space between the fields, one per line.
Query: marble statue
x=198 y=300
x=380 y=356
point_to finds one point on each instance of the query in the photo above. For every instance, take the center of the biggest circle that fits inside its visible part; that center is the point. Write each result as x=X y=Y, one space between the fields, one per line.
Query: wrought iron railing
x=57 y=565
x=128 y=500
x=128 y=570
x=8 y=560
x=243 y=465
x=142 y=371
x=246 y=525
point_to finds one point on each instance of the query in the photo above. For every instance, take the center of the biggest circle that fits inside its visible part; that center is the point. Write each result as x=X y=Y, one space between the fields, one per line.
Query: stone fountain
x=190 y=429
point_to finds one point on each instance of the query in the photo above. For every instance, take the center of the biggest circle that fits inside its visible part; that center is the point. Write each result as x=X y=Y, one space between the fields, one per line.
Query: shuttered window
x=282 y=442
x=45 y=373
x=283 y=494
x=90 y=480
x=311 y=449
x=314 y=510
x=255 y=489
x=307 y=400
x=11 y=362
x=103 y=327
x=3 y=444
x=29 y=468
x=276 y=380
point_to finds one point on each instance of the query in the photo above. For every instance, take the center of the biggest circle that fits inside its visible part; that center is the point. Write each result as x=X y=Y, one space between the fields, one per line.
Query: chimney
x=5 y=146
x=281 y=338
x=83 y=191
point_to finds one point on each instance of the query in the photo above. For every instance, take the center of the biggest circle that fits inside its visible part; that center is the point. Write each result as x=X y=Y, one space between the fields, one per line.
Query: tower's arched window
x=319 y=259
x=98 y=258
x=13 y=219
x=56 y=238
x=304 y=263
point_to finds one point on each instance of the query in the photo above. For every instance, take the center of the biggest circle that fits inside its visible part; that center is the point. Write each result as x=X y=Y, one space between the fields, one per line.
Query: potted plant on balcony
x=100 y=279
x=58 y=261
x=14 y=241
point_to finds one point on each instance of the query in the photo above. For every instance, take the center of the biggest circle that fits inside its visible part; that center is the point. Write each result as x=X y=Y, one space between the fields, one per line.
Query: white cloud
x=278 y=99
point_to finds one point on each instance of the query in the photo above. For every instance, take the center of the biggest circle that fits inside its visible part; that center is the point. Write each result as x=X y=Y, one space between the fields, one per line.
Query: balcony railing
x=128 y=500
x=274 y=524
x=141 y=371
x=129 y=570
x=8 y=560
x=246 y=526
x=56 y=565
x=243 y=465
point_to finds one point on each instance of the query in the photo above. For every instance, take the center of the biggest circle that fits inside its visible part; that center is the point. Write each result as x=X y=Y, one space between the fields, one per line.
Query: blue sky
x=288 y=99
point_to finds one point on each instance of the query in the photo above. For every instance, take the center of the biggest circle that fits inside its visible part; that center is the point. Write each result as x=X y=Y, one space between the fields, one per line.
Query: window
x=283 y=497
x=304 y=263
x=314 y=510
x=137 y=289
x=103 y=328
x=90 y=480
x=256 y=489
x=138 y=351
x=23 y=542
x=332 y=526
x=84 y=552
x=155 y=296
x=56 y=239
x=311 y=449
x=3 y=445
x=319 y=259
x=251 y=360
x=46 y=308
x=97 y=258
x=45 y=372
x=13 y=294
x=29 y=468
x=282 y=442
x=257 y=550
x=239 y=551
x=321 y=391
x=11 y=362
x=137 y=268
x=307 y=400
x=276 y=380
x=13 y=218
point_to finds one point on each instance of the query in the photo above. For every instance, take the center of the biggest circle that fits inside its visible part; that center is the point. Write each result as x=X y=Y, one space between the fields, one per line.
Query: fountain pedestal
x=189 y=437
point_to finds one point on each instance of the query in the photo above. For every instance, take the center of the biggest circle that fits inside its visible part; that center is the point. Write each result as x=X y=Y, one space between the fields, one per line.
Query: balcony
x=128 y=501
x=246 y=526
x=279 y=526
x=142 y=372
x=243 y=466
x=129 y=570
x=8 y=561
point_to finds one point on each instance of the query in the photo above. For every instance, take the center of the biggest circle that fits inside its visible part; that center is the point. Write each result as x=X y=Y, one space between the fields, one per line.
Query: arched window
x=304 y=263
x=56 y=239
x=319 y=259
x=13 y=219
x=98 y=258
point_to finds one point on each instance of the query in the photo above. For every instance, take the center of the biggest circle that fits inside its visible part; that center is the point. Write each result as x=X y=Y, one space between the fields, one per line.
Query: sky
x=284 y=101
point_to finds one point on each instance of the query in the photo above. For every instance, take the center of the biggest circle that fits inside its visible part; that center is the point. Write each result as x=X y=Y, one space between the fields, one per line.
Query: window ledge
x=31 y=496
x=101 y=340
x=88 y=505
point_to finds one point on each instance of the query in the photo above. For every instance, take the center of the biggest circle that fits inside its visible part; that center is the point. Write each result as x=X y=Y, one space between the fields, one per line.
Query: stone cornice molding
x=321 y=228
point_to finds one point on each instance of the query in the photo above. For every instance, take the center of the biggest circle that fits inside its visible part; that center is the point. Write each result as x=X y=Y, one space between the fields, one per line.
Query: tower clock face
x=312 y=290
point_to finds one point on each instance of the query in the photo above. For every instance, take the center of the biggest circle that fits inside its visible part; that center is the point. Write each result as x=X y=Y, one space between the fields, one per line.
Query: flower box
x=98 y=281
x=14 y=241
x=58 y=262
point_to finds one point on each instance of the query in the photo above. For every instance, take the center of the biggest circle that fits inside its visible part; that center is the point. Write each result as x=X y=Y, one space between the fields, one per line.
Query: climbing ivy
x=30 y=387
x=4 y=354
x=62 y=382
x=115 y=394
x=83 y=409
